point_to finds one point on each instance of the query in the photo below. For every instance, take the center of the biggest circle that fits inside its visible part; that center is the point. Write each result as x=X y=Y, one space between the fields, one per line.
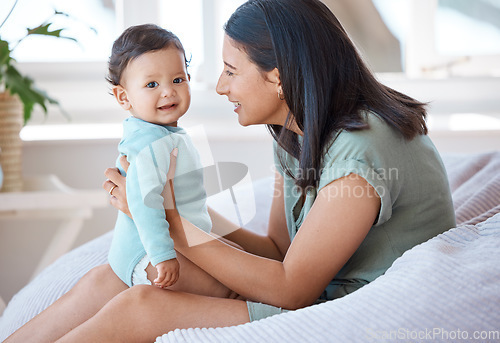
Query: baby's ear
x=121 y=96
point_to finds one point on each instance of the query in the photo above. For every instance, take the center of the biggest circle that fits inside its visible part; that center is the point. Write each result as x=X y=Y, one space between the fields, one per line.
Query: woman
x=358 y=182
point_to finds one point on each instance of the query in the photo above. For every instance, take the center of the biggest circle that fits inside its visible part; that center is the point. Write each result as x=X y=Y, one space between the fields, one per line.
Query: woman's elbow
x=296 y=300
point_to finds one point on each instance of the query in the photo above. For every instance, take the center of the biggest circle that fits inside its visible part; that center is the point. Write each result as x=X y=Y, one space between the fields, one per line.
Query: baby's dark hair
x=135 y=41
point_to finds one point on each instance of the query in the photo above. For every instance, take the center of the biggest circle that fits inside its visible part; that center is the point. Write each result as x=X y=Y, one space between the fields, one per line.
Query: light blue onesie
x=148 y=147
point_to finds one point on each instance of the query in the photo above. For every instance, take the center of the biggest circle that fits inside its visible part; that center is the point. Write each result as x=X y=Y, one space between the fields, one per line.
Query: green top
x=411 y=181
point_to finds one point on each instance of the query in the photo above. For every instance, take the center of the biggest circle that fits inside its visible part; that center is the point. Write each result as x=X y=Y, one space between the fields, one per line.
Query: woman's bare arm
x=332 y=231
x=277 y=241
x=273 y=246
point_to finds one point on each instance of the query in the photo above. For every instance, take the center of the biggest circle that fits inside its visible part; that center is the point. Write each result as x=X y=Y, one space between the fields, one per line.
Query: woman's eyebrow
x=230 y=66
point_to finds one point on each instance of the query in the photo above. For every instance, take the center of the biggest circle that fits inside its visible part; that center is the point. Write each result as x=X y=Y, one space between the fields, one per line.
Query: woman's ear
x=121 y=96
x=274 y=76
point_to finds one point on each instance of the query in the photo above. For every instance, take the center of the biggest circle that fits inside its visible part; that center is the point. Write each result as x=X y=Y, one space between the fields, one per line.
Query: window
x=459 y=24
x=97 y=23
x=74 y=73
x=442 y=38
x=91 y=22
x=435 y=41
x=451 y=58
x=199 y=25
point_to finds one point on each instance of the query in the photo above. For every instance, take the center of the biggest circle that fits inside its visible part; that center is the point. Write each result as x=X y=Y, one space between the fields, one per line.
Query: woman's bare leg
x=98 y=287
x=143 y=313
x=83 y=301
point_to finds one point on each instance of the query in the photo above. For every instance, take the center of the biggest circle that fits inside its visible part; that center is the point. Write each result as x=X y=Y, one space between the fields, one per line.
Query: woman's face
x=253 y=93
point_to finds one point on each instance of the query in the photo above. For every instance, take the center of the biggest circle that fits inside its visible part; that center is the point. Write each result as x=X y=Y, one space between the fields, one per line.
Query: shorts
x=258 y=311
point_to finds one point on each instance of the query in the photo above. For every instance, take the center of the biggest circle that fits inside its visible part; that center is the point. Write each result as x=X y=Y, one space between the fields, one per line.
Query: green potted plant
x=18 y=97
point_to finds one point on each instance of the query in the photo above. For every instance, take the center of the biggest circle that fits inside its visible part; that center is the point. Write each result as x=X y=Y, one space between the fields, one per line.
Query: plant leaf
x=4 y=52
x=44 y=31
x=28 y=93
x=4 y=57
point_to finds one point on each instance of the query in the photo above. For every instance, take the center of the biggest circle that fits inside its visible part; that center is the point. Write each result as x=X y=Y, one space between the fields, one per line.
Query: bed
x=446 y=289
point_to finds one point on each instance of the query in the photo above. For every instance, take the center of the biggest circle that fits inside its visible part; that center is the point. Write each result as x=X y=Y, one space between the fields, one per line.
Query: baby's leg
x=193 y=279
x=82 y=302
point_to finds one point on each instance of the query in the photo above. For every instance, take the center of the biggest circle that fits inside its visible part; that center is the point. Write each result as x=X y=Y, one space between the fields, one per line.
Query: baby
x=148 y=74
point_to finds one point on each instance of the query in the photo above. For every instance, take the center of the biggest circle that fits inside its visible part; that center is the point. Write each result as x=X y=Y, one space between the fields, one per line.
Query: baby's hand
x=168 y=273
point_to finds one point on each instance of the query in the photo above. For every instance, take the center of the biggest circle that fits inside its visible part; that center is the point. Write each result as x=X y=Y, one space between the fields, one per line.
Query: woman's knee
x=145 y=293
x=140 y=296
x=97 y=275
x=99 y=280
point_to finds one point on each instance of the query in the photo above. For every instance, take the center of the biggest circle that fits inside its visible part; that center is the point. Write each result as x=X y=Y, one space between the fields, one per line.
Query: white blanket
x=447 y=288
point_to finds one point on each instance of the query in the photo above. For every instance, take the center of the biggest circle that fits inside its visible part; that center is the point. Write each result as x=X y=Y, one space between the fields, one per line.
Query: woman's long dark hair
x=326 y=84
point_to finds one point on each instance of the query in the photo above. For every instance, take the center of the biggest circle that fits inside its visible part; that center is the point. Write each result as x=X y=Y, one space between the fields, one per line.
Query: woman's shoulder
x=378 y=129
x=376 y=138
x=380 y=145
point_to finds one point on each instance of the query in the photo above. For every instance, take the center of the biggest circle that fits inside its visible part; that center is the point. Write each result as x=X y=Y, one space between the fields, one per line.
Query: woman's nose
x=221 y=88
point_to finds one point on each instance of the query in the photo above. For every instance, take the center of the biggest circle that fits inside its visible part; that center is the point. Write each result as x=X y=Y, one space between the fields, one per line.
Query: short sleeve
x=338 y=169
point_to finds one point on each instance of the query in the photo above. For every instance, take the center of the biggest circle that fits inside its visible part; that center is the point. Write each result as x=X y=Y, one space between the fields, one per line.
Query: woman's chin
x=243 y=122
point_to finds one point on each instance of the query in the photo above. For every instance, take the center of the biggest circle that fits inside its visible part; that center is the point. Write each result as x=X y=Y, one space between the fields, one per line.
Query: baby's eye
x=228 y=73
x=152 y=84
x=178 y=80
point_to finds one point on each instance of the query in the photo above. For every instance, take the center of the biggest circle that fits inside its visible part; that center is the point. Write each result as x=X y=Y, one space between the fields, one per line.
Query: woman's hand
x=115 y=186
